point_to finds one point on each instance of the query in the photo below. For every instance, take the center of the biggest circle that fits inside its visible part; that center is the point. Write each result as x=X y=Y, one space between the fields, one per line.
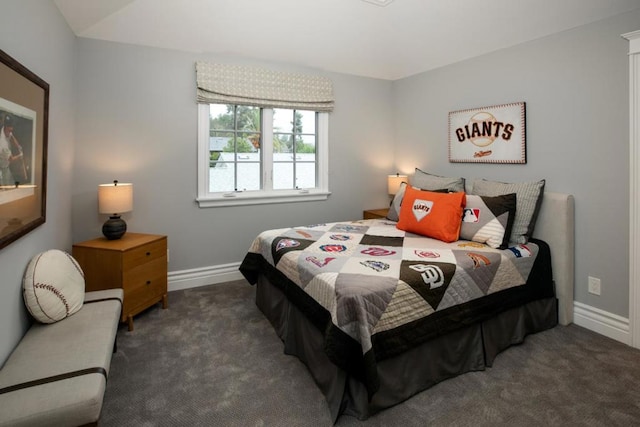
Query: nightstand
x=375 y=213
x=137 y=263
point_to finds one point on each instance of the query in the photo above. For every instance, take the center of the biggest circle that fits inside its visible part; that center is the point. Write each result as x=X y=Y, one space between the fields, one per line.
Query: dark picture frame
x=495 y=134
x=24 y=124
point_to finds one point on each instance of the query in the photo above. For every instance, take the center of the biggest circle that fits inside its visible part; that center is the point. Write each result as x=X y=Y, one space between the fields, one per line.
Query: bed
x=367 y=360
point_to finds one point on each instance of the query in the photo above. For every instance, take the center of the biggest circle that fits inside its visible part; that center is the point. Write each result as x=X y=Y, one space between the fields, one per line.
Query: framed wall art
x=24 y=111
x=493 y=134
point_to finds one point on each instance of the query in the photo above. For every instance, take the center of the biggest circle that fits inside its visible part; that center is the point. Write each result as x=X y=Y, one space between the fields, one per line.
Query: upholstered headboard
x=555 y=225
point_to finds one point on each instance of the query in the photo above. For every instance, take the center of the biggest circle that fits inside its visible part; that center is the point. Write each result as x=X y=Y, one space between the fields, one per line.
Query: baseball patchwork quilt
x=376 y=291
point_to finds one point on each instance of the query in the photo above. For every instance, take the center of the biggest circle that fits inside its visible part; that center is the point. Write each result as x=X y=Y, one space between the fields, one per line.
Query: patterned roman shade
x=247 y=85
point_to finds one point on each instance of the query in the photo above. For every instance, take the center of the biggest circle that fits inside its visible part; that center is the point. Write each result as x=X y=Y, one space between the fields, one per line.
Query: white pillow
x=53 y=286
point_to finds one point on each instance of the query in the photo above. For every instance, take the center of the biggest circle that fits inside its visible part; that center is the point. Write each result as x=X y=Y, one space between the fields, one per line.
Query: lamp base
x=114 y=228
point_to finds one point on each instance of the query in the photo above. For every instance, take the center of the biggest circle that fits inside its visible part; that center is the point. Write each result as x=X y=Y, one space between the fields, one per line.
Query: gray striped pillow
x=430 y=182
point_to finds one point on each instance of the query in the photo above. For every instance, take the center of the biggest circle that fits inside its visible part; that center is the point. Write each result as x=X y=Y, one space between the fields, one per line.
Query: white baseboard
x=605 y=323
x=204 y=276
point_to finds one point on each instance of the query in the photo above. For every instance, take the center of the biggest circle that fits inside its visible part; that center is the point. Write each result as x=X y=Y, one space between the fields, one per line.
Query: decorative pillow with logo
x=396 y=203
x=53 y=286
x=489 y=220
x=529 y=199
x=431 y=214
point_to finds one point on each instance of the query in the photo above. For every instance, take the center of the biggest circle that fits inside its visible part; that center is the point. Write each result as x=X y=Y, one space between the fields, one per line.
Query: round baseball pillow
x=53 y=286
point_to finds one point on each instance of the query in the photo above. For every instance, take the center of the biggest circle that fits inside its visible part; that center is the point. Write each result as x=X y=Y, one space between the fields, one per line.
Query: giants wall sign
x=488 y=135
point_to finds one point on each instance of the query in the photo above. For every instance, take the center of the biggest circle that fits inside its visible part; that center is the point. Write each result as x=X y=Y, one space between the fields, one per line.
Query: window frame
x=267 y=195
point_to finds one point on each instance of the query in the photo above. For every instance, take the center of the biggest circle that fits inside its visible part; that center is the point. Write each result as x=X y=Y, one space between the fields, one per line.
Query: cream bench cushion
x=81 y=343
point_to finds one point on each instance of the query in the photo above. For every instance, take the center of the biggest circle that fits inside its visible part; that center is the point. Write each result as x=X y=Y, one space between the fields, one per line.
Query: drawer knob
x=148 y=282
x=148 y=253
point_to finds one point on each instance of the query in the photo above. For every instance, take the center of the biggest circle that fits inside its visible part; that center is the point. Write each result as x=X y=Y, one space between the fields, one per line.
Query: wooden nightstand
x=137 y=263
x=375 y=213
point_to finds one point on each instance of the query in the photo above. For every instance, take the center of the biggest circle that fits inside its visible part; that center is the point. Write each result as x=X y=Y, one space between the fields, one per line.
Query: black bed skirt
x=472 y=348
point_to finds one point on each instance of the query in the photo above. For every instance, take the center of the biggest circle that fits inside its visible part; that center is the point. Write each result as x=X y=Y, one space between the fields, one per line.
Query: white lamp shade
x=115 y=198
x=393 y=183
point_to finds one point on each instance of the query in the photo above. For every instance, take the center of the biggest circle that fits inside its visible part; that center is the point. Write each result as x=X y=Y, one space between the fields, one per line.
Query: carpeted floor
x=212 y=359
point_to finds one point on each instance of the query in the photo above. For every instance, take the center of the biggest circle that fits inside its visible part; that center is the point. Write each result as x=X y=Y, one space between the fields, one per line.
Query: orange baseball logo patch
x=478 y=259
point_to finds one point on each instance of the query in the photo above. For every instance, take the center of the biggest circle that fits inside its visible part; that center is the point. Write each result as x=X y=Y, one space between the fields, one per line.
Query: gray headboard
x=555 y=225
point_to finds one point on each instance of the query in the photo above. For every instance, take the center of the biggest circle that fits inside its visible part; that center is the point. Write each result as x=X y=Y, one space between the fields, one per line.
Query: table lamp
x=113 y=200
x=393 y=183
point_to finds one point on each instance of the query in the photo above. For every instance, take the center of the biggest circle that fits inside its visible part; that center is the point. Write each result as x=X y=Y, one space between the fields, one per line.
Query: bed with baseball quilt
x=382 y=309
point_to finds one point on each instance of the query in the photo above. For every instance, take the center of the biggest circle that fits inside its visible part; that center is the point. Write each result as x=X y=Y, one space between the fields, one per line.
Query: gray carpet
x=212 y=359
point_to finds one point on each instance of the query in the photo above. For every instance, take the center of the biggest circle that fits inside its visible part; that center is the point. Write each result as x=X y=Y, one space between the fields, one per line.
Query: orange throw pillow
x=436 y=215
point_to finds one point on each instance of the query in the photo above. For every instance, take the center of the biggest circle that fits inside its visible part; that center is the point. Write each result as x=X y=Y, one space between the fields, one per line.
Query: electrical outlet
x=594 y=285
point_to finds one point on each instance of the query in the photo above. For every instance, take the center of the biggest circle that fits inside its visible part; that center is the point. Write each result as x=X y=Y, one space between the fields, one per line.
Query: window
x=252 y=155
x=234 y=148
x=262 y=135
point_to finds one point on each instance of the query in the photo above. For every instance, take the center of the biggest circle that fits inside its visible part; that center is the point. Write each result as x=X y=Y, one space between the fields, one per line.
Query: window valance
x=247 y=85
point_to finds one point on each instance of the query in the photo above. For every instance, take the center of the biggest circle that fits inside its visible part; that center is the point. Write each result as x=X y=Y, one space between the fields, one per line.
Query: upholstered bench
x=57 y=374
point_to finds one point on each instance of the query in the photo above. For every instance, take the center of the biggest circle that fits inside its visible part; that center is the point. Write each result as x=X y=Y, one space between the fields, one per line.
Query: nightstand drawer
x=141 y=276
x=144 y=285
x=143 y=254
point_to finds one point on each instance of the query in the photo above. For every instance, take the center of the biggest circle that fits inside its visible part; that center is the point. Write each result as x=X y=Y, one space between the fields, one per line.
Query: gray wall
x=35 y=34
x=575 y=85
x=128 y=113
x=137 y=122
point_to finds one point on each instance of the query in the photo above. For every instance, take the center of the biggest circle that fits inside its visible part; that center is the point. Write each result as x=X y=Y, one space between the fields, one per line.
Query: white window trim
x=206 y=199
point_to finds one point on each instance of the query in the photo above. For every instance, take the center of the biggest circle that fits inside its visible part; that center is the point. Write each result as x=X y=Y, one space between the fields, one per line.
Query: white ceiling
x=403 y=38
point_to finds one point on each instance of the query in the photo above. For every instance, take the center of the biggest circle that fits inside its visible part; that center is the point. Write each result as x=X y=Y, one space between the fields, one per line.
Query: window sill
x=249 y=198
